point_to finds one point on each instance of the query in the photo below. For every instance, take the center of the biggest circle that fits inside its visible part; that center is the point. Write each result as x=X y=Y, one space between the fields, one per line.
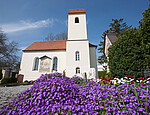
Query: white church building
x=75 y=56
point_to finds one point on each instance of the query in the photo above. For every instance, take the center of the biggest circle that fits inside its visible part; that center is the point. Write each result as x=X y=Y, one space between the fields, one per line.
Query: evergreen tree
x=125 y=57
x=145 y=35
x=117 y=27
x=130 y=54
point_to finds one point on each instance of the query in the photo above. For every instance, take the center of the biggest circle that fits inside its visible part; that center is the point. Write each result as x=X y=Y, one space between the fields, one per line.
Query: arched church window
x=77 y=70
x=76 y=20
x=36 y=63
x=55 y=60
x=77 y=56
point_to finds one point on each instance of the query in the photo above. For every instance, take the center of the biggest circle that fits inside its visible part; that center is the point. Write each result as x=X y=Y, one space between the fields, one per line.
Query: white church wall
x=107 y=45
x=77 y=31
x=93 y=59
x=83 y=63
x=26 y=67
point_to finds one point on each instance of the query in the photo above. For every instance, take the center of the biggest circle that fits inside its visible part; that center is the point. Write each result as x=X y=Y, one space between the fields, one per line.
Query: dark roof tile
x=112 y=37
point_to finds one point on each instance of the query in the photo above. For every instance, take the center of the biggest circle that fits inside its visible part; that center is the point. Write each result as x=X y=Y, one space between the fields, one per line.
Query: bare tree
x=57 y=37
x=51 y=37
x=64 y=36
x=8 y=51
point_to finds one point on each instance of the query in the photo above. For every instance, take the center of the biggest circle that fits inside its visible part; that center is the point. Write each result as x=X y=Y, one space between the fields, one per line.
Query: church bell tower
x=77 y=50
x=77 y=29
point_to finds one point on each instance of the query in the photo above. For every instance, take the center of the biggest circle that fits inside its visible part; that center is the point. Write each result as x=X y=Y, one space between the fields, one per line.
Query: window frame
x=36 y=64
x=55 y=63
x=77 y=56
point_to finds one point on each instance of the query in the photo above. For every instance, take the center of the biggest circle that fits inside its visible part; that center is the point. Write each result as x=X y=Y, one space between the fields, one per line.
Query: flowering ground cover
x=57 y=94
x=126 y=79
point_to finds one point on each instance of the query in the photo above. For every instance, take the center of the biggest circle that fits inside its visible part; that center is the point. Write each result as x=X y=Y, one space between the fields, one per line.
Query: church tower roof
x=77 y=11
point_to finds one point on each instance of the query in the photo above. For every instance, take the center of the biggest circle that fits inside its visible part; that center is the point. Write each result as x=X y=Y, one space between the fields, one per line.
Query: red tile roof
x=76 y=11
x=47 y=45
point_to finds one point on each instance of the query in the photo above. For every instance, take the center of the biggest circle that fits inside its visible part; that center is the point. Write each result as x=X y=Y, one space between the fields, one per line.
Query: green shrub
x=13 y=80
x=108 y=74
x=8 y=80
x=102 y=74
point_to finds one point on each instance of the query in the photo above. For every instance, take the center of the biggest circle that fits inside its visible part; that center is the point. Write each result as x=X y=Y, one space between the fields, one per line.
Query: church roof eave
x=47 y=46
x=92 y=45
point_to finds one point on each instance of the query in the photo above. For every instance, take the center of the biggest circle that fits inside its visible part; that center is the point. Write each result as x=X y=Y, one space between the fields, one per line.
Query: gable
x=112 y=37
x=45 y=57
x=107 y=45
x=108 y=40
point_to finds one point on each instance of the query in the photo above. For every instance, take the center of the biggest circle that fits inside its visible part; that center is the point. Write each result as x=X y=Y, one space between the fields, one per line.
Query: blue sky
x=26 y=21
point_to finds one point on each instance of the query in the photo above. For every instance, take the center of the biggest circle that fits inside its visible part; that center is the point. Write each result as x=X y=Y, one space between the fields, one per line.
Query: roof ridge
x=111 y=33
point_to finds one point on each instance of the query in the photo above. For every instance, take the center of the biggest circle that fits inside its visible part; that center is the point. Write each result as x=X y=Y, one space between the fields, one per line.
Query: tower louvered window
x=76 y=20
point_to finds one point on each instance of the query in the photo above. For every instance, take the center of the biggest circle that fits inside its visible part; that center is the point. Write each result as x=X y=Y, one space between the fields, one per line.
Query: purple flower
x=57 y=94
x=141 y=109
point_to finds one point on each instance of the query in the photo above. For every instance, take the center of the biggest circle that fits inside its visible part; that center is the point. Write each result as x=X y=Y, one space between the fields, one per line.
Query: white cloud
x=25 y=25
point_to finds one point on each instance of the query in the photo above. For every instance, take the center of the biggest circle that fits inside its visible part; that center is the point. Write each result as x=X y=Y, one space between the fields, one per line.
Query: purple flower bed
x=57 y=94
